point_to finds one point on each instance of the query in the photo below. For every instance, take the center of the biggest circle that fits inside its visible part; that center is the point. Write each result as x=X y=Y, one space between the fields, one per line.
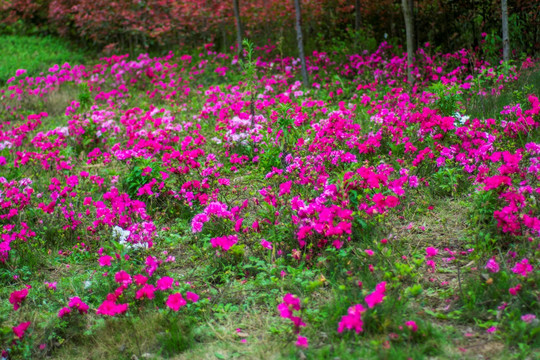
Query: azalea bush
x=183 y=203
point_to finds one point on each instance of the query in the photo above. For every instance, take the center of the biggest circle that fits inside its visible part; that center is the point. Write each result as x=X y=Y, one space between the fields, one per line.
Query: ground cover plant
x=209 y=206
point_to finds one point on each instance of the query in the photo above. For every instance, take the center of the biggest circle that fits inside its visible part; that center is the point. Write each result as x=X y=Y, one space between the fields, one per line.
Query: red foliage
x=138 y=23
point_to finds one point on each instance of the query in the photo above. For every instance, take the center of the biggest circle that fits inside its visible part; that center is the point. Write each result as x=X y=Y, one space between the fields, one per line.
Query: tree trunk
x=239 y=29
x=357 y=14
x=505 y=37
x=406 y=5
x=300 y=42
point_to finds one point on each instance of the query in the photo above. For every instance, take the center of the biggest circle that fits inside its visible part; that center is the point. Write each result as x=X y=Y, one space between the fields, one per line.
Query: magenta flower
x=20 y=329
x=63 y=312
x=515 y=290
x=292 y=301
x=238 y=225
x=147 y=291
x=77 y=303
x=105 y=260
x=492 y=265
x=175 y=301
x=528 y=318
x=286 y=310
x=122 y=277
x=164 y=283
x=266 y=244
x=285 y=188
x=377 y=296
x=17 y=297
x=140 y=279
x=302 y=342
x=495 y=181
x=523 y=268
x=431 y=251
x=412 y=325
x=353 y=319
x=110 y=308
x=192 y=296
x=147 y=170
x=151 y=265
x=51 y=285
x=224 y=242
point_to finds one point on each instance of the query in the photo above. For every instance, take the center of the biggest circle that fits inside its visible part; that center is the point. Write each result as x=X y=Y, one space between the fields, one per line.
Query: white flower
x=120 y=234
x=460 y=118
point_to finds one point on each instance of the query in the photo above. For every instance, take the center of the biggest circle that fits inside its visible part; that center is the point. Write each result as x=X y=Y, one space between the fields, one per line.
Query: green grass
x=490 y=106
x=35 y=54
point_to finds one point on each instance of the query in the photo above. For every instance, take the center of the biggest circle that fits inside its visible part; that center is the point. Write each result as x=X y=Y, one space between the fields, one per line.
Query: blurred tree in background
x=138 y=25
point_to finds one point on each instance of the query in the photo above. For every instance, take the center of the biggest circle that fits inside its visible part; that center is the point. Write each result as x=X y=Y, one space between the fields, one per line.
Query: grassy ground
x=452 y=335
x=34 y=54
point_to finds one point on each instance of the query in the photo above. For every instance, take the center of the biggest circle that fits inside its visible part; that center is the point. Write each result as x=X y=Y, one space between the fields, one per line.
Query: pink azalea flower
x=515 y=290
x=224 y=242
x=266 y=244
x=164 y=283
x=17 y=297
x=302 y=342
x=353 y=319
x=110 y=308
x=105 y=260
x=140 y=279
x=431 y=251
x=412 y=325
x=20 y=329
x=192 y=296
x=492 y=265
x=285 y=188
x=292 y=301
x=238 y=225
x=122 y=277
x=63 y=312
x=528 y=318
x=151 y=265
x=377 y=296
x=286 y=310
x=147 y=170
x=175 y=301
x=51 y=285
x=523 y=268
x=77 y=303
x=147 y=291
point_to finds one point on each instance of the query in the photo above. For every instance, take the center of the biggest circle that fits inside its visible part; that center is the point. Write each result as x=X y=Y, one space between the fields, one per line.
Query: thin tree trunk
x=406 y=5
x=357 y=18
x=239 y=29
x=416 y=38
x=300 y=42
x=505 y=37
